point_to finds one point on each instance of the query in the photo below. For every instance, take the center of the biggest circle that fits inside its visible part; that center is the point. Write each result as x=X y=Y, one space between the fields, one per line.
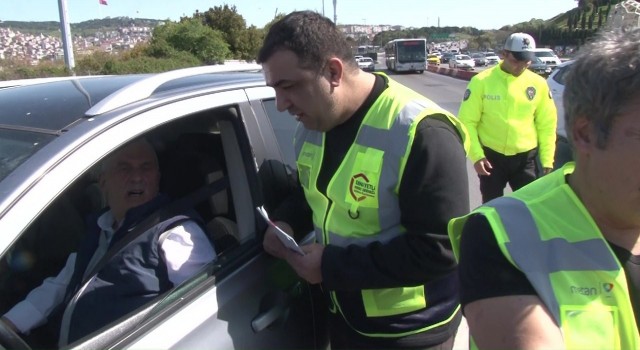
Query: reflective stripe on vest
x=558 y=254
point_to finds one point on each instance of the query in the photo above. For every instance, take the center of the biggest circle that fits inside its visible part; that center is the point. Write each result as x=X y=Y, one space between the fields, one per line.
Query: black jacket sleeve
x=484 y=271
x=433 y=189
x=296 y=212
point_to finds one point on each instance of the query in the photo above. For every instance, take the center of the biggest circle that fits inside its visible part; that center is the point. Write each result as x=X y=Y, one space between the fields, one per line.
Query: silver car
x=207 y=123
x=556 y=86
x=367 y=64
x=462 y=62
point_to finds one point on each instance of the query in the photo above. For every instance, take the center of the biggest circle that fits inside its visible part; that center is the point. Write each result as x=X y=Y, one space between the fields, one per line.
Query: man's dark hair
x=311 y=36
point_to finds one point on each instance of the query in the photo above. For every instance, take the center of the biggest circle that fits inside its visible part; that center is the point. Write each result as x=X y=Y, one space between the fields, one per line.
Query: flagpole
x=65 y=31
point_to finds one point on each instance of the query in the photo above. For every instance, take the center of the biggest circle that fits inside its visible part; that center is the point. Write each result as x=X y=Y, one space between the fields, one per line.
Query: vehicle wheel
x=10 y=340
x=420 y=71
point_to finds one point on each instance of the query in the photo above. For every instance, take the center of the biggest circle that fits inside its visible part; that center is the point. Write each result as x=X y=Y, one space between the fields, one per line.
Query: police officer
x=510 y=116
x=382 y=170
x=555 y=264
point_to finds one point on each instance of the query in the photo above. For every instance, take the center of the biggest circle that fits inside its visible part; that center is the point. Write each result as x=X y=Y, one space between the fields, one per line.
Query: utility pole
x=65 y=31
x=335 y=13
x=322 y=7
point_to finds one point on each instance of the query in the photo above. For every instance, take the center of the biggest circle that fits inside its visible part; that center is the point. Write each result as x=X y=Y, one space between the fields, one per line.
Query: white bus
x=406 y=55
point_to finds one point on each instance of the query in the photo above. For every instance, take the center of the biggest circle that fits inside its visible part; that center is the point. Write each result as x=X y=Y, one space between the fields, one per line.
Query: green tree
x=255 y=37
x=233 y=27
x=191 y=36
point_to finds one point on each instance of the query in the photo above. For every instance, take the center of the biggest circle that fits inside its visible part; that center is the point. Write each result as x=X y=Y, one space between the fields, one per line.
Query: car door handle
x=274 y=309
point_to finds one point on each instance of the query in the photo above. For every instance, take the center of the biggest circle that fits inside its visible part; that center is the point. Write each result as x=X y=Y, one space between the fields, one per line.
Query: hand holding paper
x=284 y=237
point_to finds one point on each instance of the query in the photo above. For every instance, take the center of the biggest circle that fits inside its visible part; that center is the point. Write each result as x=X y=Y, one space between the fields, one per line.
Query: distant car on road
x=357 y=57
x=462 y=62
x=432 y=58
x=367 y=64
x=539 y=67
x=446 y=57
x=491 y=58
x=548 y=56
x=479 y=59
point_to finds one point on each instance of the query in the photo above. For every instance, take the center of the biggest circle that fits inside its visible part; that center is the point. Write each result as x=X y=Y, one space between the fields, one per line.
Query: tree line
x=221 y=33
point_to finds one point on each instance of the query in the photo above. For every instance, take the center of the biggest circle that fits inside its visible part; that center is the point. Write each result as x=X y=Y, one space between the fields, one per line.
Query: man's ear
x=583 y=135
x=335 y=71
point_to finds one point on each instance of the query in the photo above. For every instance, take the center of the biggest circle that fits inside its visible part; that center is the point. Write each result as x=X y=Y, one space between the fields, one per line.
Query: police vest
x=361 y=206
x=509 y=114
x=546 y=232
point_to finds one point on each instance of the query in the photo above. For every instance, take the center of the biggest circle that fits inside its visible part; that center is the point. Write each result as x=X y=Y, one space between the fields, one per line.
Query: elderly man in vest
x=163 y=256
x=382 y=170
x=555 y=265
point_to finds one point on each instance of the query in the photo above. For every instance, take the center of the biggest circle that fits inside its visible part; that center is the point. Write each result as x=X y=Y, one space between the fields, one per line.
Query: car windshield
x=463 y=57
x=544 y=54
x=33 y=115
x=17 y=146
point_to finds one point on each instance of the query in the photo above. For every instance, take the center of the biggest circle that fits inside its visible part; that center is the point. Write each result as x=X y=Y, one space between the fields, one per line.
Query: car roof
x=31 y=107
x=22 y=82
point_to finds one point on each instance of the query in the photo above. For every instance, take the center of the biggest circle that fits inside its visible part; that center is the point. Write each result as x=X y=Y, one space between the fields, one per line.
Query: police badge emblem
x=467 y=93
x=531 y=93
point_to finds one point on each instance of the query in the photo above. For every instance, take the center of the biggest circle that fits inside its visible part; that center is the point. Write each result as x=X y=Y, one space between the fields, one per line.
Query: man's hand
x=307 y=266
x=545 y=171
x=483 y=167
x=272 y=244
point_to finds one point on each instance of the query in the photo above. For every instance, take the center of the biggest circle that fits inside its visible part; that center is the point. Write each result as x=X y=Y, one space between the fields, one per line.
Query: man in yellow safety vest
x=556 y=264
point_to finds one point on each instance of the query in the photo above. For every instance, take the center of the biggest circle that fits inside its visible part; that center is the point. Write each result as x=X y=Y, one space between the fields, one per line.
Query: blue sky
x=490 y=14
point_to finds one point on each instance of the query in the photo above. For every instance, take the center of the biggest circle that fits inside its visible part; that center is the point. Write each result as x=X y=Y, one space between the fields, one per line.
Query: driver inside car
x=114 y=282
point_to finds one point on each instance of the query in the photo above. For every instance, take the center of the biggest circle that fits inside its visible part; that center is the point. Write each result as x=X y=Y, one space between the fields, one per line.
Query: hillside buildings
x=36 y=47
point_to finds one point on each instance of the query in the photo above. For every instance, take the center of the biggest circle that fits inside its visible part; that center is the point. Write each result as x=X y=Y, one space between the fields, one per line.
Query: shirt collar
x=105 y=222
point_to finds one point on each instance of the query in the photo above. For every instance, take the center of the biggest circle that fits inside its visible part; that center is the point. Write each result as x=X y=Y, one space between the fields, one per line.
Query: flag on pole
x=103 y=2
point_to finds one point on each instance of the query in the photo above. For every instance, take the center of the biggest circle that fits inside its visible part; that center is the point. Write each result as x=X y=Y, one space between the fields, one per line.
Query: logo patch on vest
x=360 y=188
x=467 y=93
x=531 y=93
x=607 y=288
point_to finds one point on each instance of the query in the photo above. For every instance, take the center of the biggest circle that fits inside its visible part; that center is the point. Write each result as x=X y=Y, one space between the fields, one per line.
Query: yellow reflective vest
x=509 y=114
x=545 y=231
x=361 y=207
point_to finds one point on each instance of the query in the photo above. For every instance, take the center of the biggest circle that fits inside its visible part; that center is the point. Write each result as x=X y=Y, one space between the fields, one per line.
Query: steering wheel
x=10 y=339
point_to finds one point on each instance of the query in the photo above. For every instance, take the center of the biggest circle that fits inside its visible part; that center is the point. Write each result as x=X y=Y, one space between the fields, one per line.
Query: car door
x=244 y=299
